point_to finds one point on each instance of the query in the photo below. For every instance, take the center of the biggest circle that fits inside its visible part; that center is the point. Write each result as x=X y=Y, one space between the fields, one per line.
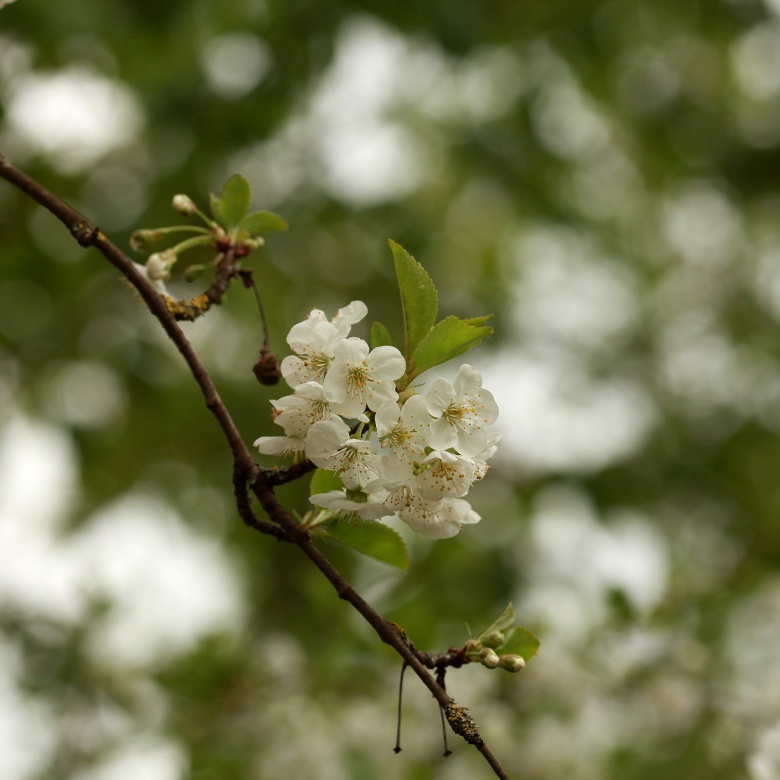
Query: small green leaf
x=258 y=223
x=380 y=336
x=520 y=642
x=419 y=300
x=446 y=340
x=503 y=622
x=322 y=481
x=371 y=538
x=234 y=200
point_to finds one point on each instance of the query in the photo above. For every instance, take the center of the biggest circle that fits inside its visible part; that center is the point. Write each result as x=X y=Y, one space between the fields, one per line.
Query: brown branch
x=246 y=472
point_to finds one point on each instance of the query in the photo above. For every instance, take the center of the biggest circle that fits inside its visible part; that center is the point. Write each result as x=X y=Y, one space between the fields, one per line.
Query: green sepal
x=419 y=300
x=446 y=340
x=233 y=202
x=520 y=641
x=258 y=223
x=322 y=481
x=380 y=336
x=477 y=321
x=215 y=204
x=371 y=538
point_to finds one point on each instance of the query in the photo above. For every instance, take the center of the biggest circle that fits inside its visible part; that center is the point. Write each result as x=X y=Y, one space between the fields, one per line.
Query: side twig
x=247 y=474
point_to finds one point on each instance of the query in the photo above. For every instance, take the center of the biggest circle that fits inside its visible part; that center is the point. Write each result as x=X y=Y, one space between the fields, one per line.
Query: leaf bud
x=494 y=639
x=267 y=369
x=512 y=663
x=184 y=205
x=488 y=657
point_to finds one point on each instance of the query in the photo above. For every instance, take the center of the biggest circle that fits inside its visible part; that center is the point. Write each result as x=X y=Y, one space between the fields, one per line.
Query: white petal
x=439 y=396
x=387 y=361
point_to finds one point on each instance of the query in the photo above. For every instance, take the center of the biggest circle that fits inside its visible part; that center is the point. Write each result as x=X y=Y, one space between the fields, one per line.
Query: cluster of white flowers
x=417 y=454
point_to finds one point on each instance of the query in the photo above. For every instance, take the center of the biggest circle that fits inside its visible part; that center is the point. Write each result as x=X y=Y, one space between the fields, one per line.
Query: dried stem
x=246 y=473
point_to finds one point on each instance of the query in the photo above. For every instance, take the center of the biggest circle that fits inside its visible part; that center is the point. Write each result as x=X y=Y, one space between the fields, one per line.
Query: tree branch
x=246 y=472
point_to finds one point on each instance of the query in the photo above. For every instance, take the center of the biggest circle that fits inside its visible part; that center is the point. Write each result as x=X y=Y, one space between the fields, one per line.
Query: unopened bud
x=158 y=266
x=488 y=657
x=494 y=639
x=267 y=369
x=512 y=663
x=254 y=243
x=142 y=240
x=183 y=204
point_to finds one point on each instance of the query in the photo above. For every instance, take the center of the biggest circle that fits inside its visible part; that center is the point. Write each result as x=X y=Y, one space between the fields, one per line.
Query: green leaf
x=419 y=300
x=258 y=223
x=322 y=481
x=503 y=622
x=446 y=340
x=520 y=642
x=380 y=336
x=371 y=538
x=234 y=200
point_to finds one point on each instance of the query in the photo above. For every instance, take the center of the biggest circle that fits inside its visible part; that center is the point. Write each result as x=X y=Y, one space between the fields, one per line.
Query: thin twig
x=246 y=471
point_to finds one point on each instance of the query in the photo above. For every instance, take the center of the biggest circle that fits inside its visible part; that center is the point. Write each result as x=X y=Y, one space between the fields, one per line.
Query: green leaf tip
x=380 y=336
x=233 y=202
x=446 y=340
x=419 y=300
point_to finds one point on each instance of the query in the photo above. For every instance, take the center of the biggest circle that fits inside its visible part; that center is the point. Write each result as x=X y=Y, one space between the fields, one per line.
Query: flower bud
x=488 y=657
x=512 y=663
x=494 y=639
x=183 y=204
x=142 y=240
x=158 y=266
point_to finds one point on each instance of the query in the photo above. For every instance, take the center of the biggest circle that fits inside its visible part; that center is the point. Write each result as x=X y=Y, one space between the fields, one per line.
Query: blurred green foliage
x=602 y=176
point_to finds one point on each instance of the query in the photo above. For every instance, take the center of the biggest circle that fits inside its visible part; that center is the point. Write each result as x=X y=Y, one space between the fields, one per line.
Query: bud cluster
x=416 y=454
x=484 y=651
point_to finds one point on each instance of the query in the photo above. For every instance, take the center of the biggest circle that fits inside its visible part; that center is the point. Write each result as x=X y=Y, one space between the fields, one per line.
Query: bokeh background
x=603 y=176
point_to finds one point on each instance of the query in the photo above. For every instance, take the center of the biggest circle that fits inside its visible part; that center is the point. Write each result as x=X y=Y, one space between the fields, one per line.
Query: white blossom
x=417 y=458
x=406 y=431
x=281 y=446
x=358 y=378
x=371 y=507
x=481 y=459
x=447 y=476
x=298 y=412
x=432 y=519
x=348 y=316
x=462 y=411
x=328 y=446
x=313 y=341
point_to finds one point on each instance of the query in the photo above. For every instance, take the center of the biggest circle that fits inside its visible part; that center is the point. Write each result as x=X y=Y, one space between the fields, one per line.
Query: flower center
x=357 y=379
